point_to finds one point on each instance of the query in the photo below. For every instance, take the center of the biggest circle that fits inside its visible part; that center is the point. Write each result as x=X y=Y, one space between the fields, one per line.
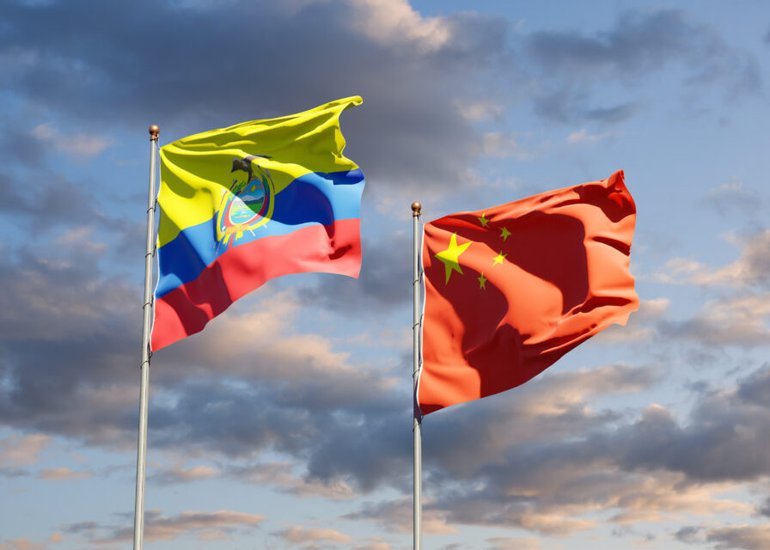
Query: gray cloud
x=732 y=321
x=43 y=200
x=765 y=508
x=689 y=534
x=546 y=469
x=568 y=104
x=69 y=329
x=386 y=274
x=573 y=65
x=637 y=43
x=201 y=525
x=743 y=537
x=734 y=197
x=193 y=68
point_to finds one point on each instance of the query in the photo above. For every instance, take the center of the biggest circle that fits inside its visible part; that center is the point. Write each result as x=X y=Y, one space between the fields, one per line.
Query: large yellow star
x=451 y=256
x=498 y=260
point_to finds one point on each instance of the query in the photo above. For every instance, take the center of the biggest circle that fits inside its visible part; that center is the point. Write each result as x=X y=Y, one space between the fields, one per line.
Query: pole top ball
x=154 y=130
x=416 y=208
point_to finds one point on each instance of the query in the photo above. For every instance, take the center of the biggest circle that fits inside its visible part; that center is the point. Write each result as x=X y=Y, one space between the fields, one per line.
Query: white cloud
x=751 y=268
x=480 y=110
x=503 y=145
x=390 y=22
x=638 y=328
x=301 y=535
x=584 y=137
x=737 y=320
x=77 y=145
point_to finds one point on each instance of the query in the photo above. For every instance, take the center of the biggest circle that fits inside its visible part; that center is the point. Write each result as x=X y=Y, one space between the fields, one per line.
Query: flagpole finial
x=154 y=130
x=416 y=208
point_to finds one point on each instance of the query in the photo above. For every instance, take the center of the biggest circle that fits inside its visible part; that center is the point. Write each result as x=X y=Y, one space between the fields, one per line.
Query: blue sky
x=287 y=422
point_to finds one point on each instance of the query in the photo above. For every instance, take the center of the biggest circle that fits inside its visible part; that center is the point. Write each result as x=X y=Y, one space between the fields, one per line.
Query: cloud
x=72 y=312
x=22 y=450
x=584 y=137
x=501 y=145
x=512 y=543
x=273 y=402
x=750 y=270
x=734 y=537
x=47 y=196
x=765 y=508
x=381 y=20
x=384 y=272
x=569 y=103
x=638 y=43
x=725 y=440
x=21 y=544
x=641 y=326
x=201 y=525
x=738 y=318
x=78 y=146
x=57 y=474
x=375 y=544
x=184 y=475
x=546 y=463
x=166 y=69
x=299 y=535
x=744 y=537
x=733 y=321
x=572 y=65
x=734 y=198
x=281 y=476
x=480 y=110
x=396 y=515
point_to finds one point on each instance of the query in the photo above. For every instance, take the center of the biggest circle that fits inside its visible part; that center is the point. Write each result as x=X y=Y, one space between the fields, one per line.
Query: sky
x=286 y=423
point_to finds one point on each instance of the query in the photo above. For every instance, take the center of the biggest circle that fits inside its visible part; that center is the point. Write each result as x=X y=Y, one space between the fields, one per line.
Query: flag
x=244 y=204
x=510 y=289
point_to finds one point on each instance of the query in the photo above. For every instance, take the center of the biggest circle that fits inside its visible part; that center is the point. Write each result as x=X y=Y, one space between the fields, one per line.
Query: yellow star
x=482 y=282
x=498 y=260
x=483 y=220
x=504 y=233
x=450 y=257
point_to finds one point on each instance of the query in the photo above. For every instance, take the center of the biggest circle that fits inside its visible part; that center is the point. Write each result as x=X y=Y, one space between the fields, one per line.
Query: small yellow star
x=483 y=220
x=450 y=257
x=504 y=233
x=498 y=260
x=482 y=282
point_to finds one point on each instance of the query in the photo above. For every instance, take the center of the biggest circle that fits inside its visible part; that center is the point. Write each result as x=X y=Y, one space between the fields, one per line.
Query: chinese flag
x=511 y=289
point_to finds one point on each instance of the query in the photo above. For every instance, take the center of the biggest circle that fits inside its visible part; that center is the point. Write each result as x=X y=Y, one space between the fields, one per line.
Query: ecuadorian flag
x=244 y=204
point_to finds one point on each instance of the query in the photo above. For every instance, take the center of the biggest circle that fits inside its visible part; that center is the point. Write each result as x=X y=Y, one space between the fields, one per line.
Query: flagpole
x=141 y=450
x=416 y=416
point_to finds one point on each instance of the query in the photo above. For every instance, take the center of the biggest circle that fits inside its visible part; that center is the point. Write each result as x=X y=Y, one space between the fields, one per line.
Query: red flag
x=511 y=289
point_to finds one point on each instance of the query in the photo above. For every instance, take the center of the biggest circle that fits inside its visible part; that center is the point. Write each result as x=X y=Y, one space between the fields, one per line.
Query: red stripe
x=334 y=248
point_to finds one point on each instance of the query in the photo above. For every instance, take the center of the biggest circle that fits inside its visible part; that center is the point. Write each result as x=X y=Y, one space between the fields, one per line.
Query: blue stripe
x=314 y=198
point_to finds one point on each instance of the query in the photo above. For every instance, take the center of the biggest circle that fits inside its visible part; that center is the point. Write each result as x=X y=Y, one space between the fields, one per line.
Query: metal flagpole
x=417 y=417
x=141 y=450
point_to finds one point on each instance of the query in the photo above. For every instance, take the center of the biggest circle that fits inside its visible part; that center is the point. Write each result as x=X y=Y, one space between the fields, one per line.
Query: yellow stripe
x=195 y=170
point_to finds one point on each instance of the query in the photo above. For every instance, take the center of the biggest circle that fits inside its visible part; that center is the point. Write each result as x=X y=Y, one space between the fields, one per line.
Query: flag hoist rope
x=417 y=417
x=141 y=450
